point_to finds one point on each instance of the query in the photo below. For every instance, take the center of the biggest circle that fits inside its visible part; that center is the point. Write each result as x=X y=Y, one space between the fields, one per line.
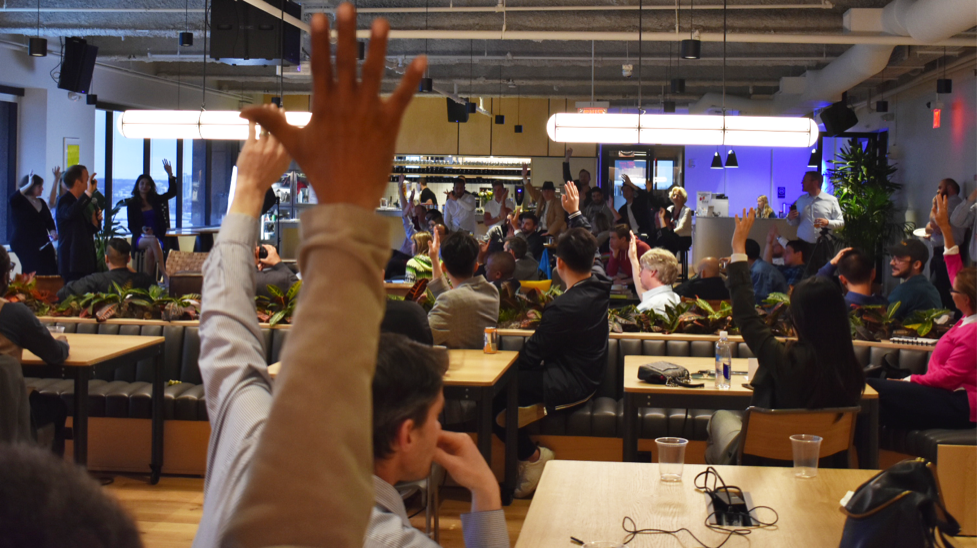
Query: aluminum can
x=491 y=340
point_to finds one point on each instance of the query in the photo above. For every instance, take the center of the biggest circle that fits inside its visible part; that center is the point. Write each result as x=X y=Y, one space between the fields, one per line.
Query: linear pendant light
x=148 y=124
x=682 y=129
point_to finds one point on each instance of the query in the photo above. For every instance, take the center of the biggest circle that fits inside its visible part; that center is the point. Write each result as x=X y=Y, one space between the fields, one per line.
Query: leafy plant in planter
x=114 y=229
x=280 y=307
x=863 y=185
x=930 y=323
x=23 y=289
x=874 y=322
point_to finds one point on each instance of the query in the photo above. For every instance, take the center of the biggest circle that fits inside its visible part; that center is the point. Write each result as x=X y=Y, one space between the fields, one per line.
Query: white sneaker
x=530 y=472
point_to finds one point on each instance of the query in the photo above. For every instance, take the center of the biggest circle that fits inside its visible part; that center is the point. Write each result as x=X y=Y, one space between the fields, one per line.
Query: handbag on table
x=666 y=373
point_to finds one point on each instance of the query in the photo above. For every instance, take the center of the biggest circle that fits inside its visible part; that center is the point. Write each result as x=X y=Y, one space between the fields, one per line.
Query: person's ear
x=844 y=281
x=405 y=436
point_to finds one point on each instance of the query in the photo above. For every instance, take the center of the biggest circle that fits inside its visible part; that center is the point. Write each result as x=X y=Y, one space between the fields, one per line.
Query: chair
x=766 y=433
x=186 y=283
x=185 y=262
x=538 y=285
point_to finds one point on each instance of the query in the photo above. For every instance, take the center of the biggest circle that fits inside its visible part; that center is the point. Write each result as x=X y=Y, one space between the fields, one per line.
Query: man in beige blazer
x=550 y=212
x=463 y=309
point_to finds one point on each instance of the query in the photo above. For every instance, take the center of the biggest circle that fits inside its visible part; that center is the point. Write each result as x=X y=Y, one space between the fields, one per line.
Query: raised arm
x=534 y=193
x=56 y=188
x=315 y=458
x=567 y=176
x=635 y=265
x=171 y=182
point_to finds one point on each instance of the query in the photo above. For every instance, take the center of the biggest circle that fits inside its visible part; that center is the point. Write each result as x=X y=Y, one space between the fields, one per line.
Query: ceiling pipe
x=506 y=9
x=929 y=20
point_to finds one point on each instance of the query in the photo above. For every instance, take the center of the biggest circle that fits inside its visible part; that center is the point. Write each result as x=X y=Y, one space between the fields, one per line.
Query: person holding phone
x=814 y=210
x=76 y=247
x=149 y=218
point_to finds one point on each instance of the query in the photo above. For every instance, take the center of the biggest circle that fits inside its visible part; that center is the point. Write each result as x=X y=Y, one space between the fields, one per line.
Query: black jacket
x=706 y=288
x=278 y=275
x=409 y=319
x=787 y=372
x=641 y=208
x=570 y=343
x=161 y=212
x=23 y=329
x=567 y=176
x=536 y=242
x=76 y=246
x=102 y=282
x=30 y=236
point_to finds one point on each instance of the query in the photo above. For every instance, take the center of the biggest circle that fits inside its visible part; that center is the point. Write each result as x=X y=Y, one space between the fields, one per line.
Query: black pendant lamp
x=731 y=159
x=692 y=48
x=518 y=126
x=186 y=37
x=668 y=106
x=426 y=84
x=678 y=85
x=717 y=162
x=37 y=46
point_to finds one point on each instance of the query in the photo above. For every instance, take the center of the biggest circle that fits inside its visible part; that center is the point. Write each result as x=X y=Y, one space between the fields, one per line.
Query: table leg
x=159 y=383
x=79 y=426
x=483 y=415
x=630 y=427
x=511 y=437
x=867 y=433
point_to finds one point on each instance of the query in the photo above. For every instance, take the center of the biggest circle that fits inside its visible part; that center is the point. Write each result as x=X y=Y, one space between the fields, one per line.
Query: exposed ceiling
x=142 y=36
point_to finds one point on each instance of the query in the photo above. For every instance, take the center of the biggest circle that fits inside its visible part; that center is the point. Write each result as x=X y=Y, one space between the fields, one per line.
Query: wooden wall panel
x=425 y=128
x=532 y=114
x=559 y=149
x=476 y=134
x=293 y=102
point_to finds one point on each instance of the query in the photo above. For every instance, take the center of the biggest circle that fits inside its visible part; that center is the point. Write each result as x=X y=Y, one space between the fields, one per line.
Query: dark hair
x=752 y=249
x=72 y=175
x=434 y=214
x=498 y=182
x=529 y=215
x=408 y=378
x=118 y=250
x=799 y=247
x=622 y=231
x=584 y=170
x=140 y=179
x=814 y=175
x=35 y=181
x=856 y=266
x=48 y=502
x=518 y=245
x=953 y=183
x=5 y=267
x=459 y=252
x=598 y=190
x=502 y=262
x=576 y=248
x=820 y=318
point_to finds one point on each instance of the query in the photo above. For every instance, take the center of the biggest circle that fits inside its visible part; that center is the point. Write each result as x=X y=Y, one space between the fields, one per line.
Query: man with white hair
x=654 y=275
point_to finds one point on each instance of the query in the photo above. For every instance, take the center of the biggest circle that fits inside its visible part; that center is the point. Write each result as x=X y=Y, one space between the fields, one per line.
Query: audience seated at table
x=916 y=292
x=598 y=213
x=618 y=264
x=856 y=272
x=407 y=437
x=563 y=362
x=819 y=370
x=795 y=256
x=707 y=283
x=945 y=397
x=117 y=259
x=549 y=212
x=766 y=278
x=19 y=330
x=419 y=266
x=271 y=271
x=433 y=218
x=527 y=268
x=464 y=304
x=655 y=273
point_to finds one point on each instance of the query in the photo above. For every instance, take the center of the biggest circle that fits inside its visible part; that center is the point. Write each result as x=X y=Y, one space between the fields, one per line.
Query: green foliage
x=923 y=322
x=280 y=307
x=112 y=229
x=863 y=185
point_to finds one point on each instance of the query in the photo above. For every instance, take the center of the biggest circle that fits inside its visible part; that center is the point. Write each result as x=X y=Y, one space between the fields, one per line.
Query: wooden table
x=589 y=500
x=638 y=394
x=97 y=352
x=399 y=289
x=475 y=375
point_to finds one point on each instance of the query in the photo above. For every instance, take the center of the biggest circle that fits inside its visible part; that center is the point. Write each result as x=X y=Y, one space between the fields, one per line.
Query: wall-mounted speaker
x=77 y=65
x=457 y=112
x=241 y=34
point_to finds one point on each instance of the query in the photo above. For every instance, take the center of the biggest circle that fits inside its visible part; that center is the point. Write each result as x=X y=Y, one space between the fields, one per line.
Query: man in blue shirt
x=909 y=257
x=766 y=278
x=796 y=254
x=856 y=271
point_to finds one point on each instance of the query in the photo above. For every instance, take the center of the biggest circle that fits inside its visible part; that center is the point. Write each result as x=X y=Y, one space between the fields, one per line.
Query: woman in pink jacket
x=946 y=395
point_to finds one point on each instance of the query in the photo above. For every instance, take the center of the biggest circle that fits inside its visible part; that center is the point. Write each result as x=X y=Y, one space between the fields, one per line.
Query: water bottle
x=724 y=361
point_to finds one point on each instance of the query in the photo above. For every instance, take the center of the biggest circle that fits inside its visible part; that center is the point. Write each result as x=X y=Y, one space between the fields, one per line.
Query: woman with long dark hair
x=33 y=227
x=819 y=370
x=149 y=219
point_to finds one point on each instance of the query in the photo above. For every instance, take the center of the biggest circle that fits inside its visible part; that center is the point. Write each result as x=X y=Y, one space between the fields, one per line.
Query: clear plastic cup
x=671 y=457
x=56 y=329
x=806 y=450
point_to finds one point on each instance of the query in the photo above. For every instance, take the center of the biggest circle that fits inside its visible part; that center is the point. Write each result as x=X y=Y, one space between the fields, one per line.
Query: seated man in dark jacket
x=117 y=259
x=707 y=284
x=272 y=272
x=564 y=360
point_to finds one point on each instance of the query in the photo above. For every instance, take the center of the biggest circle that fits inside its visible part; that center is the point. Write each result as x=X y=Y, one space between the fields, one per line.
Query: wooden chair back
x=766 y=433
x=185 y=262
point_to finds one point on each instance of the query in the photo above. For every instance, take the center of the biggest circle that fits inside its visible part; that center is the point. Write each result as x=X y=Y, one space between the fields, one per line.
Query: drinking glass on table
x=671 y=457
x=56 y=329
x=806 y=449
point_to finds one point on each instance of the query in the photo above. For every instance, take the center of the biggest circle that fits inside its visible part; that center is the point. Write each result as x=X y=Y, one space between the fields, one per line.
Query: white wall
x=47 y=115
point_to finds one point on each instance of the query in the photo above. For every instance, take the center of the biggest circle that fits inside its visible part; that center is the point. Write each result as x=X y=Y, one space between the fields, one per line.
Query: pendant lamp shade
x=682 y=129
x=426 y=85
x=691 y=49
x=812 y=161
x=186 y=39
x=717 y=162
x=37 y=47
x=518 y=128
x=731 y=159
x=678 y=85
x=500 y=119
x=472 y=106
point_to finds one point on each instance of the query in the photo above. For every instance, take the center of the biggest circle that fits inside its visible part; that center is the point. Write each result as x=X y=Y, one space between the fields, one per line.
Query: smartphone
x=793 y=207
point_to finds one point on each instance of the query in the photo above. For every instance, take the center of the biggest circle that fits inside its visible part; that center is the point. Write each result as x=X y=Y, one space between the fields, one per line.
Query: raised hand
x=92 y=184
x=352 y=132
x=459 y=456
x=57 y=173
x=570 y=198
x=525 y=171
x=742 y=232
x=260 y=164
x=633 y=249
x=168 y=167
x=434 y=252
x=839 y=255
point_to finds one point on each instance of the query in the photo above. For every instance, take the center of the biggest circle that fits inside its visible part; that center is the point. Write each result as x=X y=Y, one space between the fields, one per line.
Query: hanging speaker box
x=77 y=66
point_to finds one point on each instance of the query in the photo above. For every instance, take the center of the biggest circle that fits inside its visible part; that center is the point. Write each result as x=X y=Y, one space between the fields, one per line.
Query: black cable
x=640 y=50
x=203 y=88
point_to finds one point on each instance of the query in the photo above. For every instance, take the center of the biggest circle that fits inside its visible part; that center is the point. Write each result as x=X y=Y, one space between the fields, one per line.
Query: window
x=193 y=177
x=223 y=156
x=127 y=166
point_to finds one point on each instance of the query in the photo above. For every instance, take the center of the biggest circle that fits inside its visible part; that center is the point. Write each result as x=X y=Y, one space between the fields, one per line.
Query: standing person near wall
x=963 y=217
x=33 y=227
x=76 y=229
x=950 y=190
x=149 y=219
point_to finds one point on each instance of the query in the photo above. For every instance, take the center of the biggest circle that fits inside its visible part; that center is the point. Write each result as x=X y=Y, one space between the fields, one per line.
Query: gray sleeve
x=485 y=529
x=963 y=215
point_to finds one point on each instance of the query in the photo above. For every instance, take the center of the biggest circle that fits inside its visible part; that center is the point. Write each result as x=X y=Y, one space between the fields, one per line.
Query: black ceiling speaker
x=426 y=85
x=91 y=99
x=500 y=119
x=77 y=65
x=186 y=39
x=881 y=106
x=472 y=106
x=691 y=49
x=457 y=112
x=668 y=106
x=37 y=47
x=241 y=34
x=837 y=118
x=678 y=85
x=518 y=128
x=944 y=85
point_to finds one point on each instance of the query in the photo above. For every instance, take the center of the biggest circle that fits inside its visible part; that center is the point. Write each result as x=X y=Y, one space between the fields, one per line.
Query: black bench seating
x=125 y=393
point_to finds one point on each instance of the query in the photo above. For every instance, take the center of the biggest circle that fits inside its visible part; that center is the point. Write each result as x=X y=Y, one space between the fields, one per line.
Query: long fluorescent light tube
x=682 y=129
x=147 y=124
